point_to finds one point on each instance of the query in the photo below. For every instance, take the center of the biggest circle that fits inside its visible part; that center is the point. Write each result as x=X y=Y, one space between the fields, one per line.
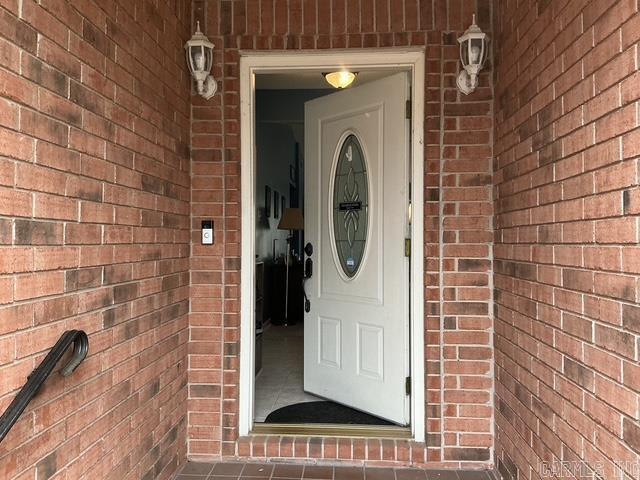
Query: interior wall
x=458 y=230
x=94 y=233
x=279 y=126
x=567 y=267
x=275 y=153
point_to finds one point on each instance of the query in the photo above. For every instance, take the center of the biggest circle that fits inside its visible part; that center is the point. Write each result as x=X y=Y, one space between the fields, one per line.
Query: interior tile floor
x=280 y=381
x=275 y=471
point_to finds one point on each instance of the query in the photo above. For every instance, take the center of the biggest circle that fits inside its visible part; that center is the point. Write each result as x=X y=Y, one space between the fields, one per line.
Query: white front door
x=356 y=333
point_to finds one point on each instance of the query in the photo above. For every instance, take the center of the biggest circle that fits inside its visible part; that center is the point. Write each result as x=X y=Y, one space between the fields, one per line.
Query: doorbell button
x=207 y=232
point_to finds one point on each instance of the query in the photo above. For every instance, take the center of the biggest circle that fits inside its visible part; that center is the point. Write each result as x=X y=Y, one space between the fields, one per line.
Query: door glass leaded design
x=350 y=206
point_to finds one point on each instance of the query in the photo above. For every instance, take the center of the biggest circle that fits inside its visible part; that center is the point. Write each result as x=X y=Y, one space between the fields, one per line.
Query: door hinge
x=407 y=247
x=407 y=110
x=407 y=385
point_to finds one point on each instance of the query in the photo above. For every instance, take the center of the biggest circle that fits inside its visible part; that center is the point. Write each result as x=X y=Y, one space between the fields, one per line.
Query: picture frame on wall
x=267 y=201
x=276 y=204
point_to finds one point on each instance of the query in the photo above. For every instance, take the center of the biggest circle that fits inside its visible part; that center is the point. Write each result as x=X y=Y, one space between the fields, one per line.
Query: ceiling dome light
x=341 y=79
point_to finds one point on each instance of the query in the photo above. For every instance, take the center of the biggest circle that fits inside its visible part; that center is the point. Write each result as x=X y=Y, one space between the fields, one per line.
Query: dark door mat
x=323 y=412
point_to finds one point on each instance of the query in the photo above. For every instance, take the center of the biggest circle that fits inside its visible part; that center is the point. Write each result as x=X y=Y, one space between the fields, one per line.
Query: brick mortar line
x=578 y=432
x=491 y=286
x=225 y=284
x=618 y=137
x=87 y=313
x=68 y=80
x=191 y=242
x=557 y=372
x=511 y=147
x=38 y=300
x=103 y=158
x=567 y=289
x=594 y=244
x=581 y=268
x=441 y=245
x=512 y=444
x=506 y=213
x=568 y=354
x=566 y=68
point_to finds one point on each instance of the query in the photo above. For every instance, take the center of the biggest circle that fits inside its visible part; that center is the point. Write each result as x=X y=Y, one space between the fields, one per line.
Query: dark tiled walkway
x=279 y=471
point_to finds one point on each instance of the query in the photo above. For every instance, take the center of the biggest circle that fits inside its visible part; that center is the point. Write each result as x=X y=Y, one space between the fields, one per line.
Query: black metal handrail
x=41 y=373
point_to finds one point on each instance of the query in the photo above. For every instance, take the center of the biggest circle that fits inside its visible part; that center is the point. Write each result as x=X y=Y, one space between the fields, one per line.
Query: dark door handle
x=308 y=273
x=308 y=268
x=307 y=303
x=308 y=249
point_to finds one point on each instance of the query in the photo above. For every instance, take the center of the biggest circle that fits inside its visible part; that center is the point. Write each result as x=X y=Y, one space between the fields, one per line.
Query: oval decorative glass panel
x=350 y=206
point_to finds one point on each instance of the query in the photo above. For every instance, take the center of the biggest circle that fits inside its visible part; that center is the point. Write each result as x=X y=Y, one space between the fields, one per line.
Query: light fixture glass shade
x=340 y=79
x=473 y=46
x=473 y=55
x=199 y=52
x=291 y=219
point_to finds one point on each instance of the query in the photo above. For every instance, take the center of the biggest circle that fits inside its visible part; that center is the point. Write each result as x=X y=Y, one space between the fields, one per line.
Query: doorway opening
x=279 y=239
x=327 y=305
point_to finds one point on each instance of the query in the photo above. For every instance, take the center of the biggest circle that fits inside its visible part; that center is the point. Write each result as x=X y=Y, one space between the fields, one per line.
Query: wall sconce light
x=473 y=54
x=200 y=60
x=340 y=79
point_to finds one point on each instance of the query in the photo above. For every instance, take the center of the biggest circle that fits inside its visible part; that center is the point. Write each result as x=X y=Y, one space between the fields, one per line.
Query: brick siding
x=458 y=224
x=567 y=263
x=94 y=233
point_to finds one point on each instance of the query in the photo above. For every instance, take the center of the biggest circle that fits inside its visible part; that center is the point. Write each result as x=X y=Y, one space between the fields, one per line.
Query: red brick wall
x=94 y=233
x=458 y=230
x=566 y=244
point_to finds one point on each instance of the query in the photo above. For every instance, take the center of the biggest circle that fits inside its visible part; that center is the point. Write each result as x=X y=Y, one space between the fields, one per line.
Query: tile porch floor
x=291 y=471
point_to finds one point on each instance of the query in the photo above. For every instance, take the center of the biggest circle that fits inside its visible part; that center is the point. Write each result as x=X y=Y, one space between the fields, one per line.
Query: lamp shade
x=291 y=219
x=473 y=46
x=473 y=54
x=199 y=52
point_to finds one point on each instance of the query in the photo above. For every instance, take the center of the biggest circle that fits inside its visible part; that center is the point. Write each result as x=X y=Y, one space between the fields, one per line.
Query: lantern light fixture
x=340 y=79
x=199 y=52
x=473 y=54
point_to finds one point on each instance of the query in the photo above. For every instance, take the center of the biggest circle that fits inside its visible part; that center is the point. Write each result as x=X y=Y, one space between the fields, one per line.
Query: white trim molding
x=411 y=60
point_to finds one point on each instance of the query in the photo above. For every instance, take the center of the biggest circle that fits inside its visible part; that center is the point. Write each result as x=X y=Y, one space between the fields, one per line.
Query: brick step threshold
x=235 y=470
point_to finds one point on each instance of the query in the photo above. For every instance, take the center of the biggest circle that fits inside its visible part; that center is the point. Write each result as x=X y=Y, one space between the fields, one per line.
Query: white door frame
x=411 y=60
